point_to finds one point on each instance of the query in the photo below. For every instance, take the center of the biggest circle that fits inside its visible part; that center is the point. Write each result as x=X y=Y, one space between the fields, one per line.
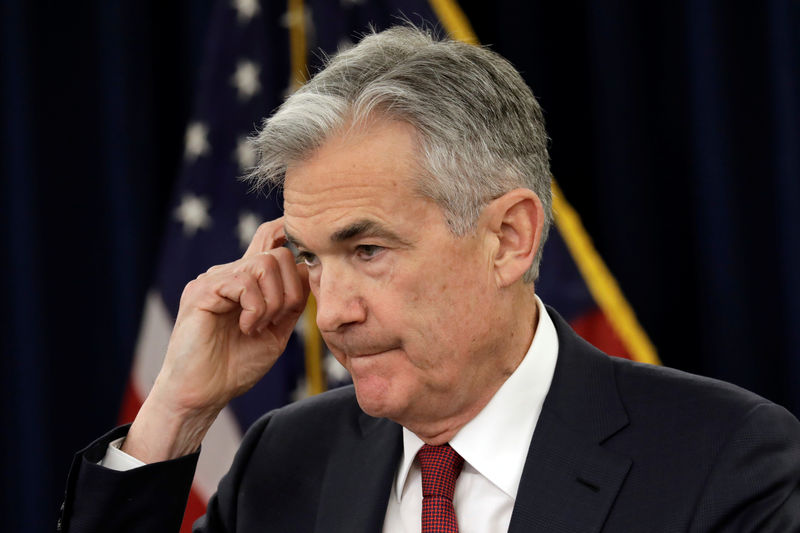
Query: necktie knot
x=440 y=466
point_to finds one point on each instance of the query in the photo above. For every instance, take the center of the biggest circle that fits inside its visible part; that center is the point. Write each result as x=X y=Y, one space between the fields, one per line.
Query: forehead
x=370 y=174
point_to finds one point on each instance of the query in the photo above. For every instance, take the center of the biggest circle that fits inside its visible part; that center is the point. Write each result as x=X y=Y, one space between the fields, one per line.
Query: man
x=417 y=197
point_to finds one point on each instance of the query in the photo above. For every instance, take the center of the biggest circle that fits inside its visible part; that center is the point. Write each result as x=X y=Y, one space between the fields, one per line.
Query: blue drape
x=94 y=100
x=675 y=133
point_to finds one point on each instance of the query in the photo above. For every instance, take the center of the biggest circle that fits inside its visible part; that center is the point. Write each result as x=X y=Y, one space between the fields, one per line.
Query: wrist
x=162 y=431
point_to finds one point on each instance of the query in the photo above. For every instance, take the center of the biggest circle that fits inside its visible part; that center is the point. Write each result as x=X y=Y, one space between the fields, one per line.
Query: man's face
x=403 y=304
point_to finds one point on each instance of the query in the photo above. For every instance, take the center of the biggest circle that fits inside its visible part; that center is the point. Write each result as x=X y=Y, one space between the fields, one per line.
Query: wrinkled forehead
x=377 y=135
x=381 y=156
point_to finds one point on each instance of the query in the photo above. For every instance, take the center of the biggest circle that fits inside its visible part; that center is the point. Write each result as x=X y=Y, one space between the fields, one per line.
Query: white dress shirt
x=116 y=459
x=494 y=446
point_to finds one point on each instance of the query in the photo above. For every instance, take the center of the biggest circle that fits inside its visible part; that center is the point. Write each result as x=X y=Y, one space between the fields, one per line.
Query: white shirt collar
x=496 y=441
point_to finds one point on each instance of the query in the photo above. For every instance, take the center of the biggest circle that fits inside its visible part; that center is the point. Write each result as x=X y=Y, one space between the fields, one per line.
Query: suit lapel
x=570 y=481
x=568 y=484
x=358 y=479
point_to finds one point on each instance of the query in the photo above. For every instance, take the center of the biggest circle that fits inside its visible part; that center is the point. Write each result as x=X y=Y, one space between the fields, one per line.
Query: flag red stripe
x=596 y=328
x=195 y=508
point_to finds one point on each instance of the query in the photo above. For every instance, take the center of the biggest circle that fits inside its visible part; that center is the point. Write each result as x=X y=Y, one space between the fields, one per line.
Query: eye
x=368 y=251
x=308 y=259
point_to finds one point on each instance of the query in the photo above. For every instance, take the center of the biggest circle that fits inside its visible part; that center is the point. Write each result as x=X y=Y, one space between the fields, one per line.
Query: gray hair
x=480 y=130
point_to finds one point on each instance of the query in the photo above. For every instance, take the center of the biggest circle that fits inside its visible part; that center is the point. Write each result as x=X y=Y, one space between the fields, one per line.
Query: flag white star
x=248 y=224
x=246 y=9
x=193 y=213
x=196 y=141
x=334 y=370
x=245 y=79
x=244 y=154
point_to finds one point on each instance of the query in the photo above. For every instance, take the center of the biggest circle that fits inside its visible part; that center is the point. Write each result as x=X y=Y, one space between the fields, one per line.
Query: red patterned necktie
x=440 y=467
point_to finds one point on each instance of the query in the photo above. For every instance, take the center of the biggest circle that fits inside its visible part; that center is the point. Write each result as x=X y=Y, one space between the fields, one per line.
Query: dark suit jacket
x=619 y=447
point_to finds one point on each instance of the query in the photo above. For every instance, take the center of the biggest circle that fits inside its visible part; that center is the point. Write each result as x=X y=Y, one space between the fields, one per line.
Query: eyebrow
x=360 y=228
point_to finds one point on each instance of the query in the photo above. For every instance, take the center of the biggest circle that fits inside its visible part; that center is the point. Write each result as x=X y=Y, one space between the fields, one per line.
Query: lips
x=359 y=352
x=351 y=347
x=367 y=354
x=369 y=351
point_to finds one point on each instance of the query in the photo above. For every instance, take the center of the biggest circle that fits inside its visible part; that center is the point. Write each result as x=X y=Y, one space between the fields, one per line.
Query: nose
x=339 y=302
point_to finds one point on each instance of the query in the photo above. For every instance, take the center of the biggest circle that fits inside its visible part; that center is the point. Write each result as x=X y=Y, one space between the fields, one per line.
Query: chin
x=374 y=397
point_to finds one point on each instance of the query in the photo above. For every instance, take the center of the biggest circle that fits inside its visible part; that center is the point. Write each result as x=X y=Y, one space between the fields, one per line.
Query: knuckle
x=275 y=302
x=267 y=261
x=294 y=303
x=264 y=232
x=259 y=305
x=283 y=253
x=299 y=306
x=192 y=289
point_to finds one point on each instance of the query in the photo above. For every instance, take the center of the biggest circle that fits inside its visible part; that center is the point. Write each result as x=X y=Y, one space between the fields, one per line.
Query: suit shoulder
x=671 y=395
x=649 y=391
x=672 y=381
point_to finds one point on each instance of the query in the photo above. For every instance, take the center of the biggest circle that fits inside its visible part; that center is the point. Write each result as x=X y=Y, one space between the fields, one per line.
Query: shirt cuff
x=116 y=459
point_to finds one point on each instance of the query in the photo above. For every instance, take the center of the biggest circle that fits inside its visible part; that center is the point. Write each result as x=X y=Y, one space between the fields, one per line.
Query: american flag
x=256 y=54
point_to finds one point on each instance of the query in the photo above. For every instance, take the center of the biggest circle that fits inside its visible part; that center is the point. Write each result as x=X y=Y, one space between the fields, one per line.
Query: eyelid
x=374 y=248
x=310 y=259
x=304 y=257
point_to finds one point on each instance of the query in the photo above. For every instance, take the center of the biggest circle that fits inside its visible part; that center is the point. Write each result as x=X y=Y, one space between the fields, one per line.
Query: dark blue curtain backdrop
x=675 y=132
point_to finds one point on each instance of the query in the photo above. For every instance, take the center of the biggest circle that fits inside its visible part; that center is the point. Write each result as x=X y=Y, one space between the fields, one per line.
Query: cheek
x=448 y=304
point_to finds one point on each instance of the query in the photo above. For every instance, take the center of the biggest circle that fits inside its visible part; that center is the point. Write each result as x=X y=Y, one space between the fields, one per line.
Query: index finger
x=268 y=236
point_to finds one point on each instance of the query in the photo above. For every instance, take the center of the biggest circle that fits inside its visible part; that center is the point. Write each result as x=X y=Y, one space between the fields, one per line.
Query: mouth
x=369 y=353
x=351 y=349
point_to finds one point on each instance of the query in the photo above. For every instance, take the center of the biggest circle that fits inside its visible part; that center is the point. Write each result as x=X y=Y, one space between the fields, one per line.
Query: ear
x=515 y=221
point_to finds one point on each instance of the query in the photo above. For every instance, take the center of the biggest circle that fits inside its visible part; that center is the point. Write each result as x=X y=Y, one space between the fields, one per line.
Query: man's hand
x=233 y=323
